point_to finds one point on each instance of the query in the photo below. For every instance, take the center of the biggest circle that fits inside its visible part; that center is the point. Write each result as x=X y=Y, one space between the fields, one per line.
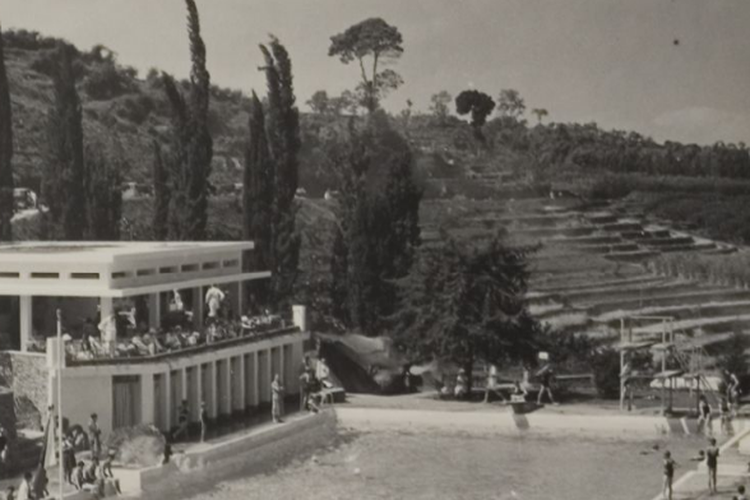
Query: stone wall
x=26 y=375
x=8 y=413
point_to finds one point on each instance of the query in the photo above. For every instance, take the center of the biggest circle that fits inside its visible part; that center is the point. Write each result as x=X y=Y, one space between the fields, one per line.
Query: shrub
x=106 y=81
x=606 y=366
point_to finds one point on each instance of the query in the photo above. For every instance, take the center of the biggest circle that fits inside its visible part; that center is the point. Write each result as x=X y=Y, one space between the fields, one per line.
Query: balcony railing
x=246 y=338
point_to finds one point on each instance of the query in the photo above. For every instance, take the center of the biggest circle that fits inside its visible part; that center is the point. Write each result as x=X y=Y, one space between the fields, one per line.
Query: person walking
x=277 y=394
x=545 y=377
x=705 y=419
x=492 y=384
x=712 y=462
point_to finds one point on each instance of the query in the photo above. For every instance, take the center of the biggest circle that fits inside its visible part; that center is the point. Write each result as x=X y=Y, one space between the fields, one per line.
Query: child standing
x=669 y=466
x=712 y=462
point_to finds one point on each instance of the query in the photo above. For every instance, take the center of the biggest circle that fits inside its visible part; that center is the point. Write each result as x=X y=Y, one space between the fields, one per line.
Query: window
x=119 y=274
x=210 y=265
x=9 y=275
x=231 y=263
x=45 y=275
x=84 y=276
x=145 y=272
x=189 y=268
x=167 y=270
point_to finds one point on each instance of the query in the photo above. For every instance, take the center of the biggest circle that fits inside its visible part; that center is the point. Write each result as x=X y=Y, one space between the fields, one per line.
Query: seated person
x=194 y=339
x=91 y=473
x=140 y=345
x=106 y=468
x=172 y=341
x=461 y=389
x=519 y=393
x=79 y=476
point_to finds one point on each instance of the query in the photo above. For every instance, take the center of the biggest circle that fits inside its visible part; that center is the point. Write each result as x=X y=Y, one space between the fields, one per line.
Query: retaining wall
x=26 y=375
x=621 y=426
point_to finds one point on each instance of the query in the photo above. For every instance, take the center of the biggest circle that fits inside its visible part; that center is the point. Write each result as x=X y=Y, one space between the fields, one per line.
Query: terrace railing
x=185 y=351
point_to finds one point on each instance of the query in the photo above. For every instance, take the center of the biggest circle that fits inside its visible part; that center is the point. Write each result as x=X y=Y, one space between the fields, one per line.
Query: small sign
x=544 y=356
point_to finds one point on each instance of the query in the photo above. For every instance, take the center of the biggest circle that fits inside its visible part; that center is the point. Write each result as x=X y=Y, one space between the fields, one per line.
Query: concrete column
x=225 y=379
x=154 y=310
x=196 y=408
x=147 y=399
x=25 y=317
x=255 y=374
x=168 y=399
x=241 y=379
x=213 y=398
x=240 y=299
x=198 y=307
x=299 y=317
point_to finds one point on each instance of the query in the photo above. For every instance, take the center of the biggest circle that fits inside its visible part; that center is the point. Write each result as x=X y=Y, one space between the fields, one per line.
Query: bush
x=136 y=108
x=106 y=81
x=606 y=365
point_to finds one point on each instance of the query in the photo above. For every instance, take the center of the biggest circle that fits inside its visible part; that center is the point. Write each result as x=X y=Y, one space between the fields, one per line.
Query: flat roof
x=109 y=251
x=120 y=268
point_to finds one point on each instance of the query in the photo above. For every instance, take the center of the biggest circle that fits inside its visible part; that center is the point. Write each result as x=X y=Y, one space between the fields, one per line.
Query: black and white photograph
x=375 y=249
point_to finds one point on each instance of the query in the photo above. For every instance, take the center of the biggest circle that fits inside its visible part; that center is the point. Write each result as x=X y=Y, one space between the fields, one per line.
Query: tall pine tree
x=191 y=145
x=63 y=185
x=6 y=151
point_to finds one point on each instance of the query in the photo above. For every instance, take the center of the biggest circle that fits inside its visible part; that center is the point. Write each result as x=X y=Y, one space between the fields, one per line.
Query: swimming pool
x=396 y=465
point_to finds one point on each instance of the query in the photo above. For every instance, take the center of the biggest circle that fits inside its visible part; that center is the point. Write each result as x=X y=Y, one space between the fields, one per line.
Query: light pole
x=60 y=359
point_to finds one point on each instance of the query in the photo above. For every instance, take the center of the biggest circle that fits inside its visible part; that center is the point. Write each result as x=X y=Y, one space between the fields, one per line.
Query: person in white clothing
x=214 y=298
x=24 y=489
x=108 y=330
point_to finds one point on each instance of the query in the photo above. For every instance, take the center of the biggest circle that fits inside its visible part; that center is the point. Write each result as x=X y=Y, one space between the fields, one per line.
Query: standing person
x=726 y=418
x=627 y=390
x=95 y=436
x=705 y=420
x=68 y=459
x=732 y=387
x=322 y=372
x=304 y=383
x=461 y=389
x=204 y=421
x=182 y=421
x=24 y=489
x=712 y=462
x=492 y=384
x=277 y=393
x=214 y=298
x=108 y=333
x=669 y=467
x=545 y=375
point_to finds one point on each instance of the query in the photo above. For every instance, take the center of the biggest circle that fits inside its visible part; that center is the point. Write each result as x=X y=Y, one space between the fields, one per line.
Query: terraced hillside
x=593 y=269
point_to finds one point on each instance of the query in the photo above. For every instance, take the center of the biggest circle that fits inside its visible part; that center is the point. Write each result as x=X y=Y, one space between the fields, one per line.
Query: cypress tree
x=192 y=146
x=6 y=151
x=283 y=137
x=160 y=176
x=63 y=187
x=104 y=191
x=257 y=188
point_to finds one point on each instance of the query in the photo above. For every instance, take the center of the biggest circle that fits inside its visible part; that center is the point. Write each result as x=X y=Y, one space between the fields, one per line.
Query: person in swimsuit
x=726 y=418
x=669 y=466
x=712 y=462
x=492 y=385
x=705 y=422
x=545 y=375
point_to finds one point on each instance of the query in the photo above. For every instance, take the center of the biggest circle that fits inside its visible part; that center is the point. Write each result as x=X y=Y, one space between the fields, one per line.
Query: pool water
x=398 y=465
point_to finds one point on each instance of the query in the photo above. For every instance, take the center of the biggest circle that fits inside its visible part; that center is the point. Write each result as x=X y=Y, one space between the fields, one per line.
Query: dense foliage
x=6 y=151
x=377 y=219
x=465 y=304
x=191 y=148
x=63 y=188
x=381 y=42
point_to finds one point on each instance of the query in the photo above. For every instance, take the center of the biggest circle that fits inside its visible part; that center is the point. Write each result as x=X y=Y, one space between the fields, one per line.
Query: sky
x=670 y=69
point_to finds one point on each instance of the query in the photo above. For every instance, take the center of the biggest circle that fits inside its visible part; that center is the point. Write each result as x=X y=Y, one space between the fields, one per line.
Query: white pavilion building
x=91 y=280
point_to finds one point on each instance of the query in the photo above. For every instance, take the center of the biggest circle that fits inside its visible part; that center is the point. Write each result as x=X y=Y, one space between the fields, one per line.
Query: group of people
x=711 y=458
x=148 y=342
x=313 y=379
x=519 y=390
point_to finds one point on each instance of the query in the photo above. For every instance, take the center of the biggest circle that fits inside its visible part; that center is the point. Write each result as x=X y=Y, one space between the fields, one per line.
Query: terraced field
x=592 y=269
